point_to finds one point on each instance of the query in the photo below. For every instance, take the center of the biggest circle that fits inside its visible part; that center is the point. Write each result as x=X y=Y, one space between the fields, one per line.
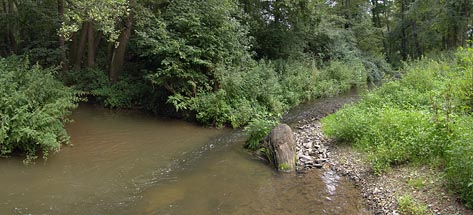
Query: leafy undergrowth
x=424 y=117
x=32 y=109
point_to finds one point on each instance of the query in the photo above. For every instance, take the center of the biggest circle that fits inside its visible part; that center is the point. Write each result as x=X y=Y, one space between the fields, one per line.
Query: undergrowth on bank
x=425 y=116
x=33 y=106
x=268 y=88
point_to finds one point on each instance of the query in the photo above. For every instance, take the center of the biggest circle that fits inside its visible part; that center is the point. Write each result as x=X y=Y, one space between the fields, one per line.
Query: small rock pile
x=310 y=150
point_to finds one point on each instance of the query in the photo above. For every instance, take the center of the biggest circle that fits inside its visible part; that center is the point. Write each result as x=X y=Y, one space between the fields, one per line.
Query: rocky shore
x=311 y=150
x=381 y=193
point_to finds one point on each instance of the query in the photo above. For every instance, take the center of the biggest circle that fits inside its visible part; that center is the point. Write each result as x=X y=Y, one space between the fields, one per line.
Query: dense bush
x=33 y=106
x=127 y=92
x=425 y=115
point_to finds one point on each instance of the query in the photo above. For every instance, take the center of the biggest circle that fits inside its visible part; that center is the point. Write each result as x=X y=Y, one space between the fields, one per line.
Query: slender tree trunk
x=73 y=49
x=4 y=6
x=454 y=39
x=444 y=42
x=11 y=29
x=118 y=56
x=386 y=16
x=91 y=45
x=62 y=46
x=418 y=51
x=110 y=49
x=347 y=13
x=4 y=52
x=81 y=46
x=403 y=31
x=97 y=40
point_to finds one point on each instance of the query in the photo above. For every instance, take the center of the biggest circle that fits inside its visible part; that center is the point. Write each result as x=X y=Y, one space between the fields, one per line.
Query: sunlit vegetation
x=424 y=116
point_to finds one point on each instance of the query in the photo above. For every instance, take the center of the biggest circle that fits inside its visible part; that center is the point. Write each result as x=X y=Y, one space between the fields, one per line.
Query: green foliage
x=32 y=109
x=284 y=167
x=390 y=135
x=417 y=28
x=86 y=80
x=424 y=116
x=408 y=206
x=127 y=92
x=459 y=170
x=103 y=13
x=417 y=183
x=194 y=43
x=267 y=87
x=258 y=129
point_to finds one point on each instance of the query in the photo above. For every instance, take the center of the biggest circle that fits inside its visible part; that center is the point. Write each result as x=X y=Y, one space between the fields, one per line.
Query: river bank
x=380 y=193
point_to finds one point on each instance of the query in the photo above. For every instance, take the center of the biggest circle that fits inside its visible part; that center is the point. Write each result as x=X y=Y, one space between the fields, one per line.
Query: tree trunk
x=97 y=40
x=386 y=16
x=73 y=49
x=347 y=14
x=403 y=31
x=4 y=6
x=62 y=47
x=81 y=46
x=4 y=39
x=11 y=30
x=418 y=51
x=91 y=46
x=118 y=56
x=110 y=49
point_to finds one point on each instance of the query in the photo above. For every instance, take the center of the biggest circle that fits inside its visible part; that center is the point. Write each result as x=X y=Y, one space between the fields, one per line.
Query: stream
x=124 y=162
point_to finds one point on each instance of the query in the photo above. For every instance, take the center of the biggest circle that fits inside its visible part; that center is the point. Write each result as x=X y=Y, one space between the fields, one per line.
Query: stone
x=305 y=158
x=282 y=146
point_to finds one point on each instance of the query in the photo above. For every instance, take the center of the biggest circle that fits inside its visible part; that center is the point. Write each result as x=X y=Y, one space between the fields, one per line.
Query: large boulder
x=282 y=148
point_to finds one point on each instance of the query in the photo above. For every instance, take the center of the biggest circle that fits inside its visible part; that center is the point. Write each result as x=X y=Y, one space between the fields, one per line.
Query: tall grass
x=424 y=116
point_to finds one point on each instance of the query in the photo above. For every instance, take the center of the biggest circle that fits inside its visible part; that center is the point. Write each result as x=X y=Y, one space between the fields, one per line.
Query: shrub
x=32 y=109
x=258 y=129
x=459 y=170
x=125 y=93
x=397 y=136
x=86 y=80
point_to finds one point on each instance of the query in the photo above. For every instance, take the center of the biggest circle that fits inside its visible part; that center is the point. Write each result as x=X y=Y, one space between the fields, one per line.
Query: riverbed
x=124 y=162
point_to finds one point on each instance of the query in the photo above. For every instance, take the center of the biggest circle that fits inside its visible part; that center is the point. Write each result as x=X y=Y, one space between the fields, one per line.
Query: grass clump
x=417 y=183
x=408 y=206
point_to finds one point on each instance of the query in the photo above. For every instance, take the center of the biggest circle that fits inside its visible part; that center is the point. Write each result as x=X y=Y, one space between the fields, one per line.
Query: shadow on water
x=129 y=163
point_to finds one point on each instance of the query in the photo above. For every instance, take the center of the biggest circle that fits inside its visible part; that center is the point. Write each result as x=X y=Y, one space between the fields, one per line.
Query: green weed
x=408 y=206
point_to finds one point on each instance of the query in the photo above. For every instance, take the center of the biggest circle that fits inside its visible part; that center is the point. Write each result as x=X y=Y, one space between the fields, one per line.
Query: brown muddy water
x=131 y=163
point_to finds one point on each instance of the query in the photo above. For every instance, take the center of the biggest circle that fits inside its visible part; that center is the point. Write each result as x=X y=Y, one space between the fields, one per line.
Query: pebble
x=311 y=149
